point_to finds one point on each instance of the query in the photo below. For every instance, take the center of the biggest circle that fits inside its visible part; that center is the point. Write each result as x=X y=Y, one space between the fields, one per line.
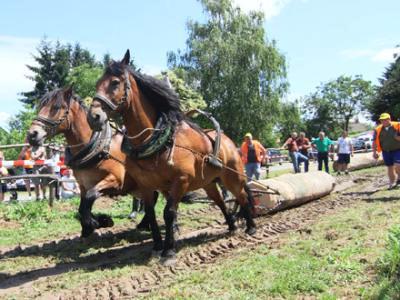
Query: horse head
x=54 y=116
x=112 y=95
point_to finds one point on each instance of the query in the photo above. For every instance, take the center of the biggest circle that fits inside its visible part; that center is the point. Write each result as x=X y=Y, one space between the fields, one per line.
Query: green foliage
x=290 y=119
x=334 y=103
x=53 y=64
x=83 y=78
x=239 y=73
x=190 y=99
x=18 y=126
x=387 y=97
x=29 y=212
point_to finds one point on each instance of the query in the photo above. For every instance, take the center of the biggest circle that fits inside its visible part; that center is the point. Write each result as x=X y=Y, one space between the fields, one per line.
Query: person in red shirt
x=253 y=153
x=294 y=154
x=303 y=144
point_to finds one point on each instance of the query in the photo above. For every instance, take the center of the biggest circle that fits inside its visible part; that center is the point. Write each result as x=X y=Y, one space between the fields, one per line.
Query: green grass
x=34 y=221
x=337 y=260
x=388 y=281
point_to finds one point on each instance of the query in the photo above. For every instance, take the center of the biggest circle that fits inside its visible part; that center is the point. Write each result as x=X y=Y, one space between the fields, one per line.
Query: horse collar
x=94 y=151
x=160 y=140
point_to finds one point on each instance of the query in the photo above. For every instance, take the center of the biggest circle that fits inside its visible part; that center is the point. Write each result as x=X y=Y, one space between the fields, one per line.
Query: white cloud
x=152 y=69
x=15 y=54
x=382 y=55
x=271 y=8
x=385 y=55
x=356 y=53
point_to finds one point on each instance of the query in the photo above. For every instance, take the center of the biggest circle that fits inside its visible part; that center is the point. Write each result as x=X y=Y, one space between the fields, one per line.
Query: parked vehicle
x=275 y=155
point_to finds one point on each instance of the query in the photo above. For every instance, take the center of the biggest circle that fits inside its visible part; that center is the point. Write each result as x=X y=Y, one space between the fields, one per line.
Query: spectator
x=294 y=153
x=3 y=185
x=324 y=146
x=304 y=145
x=69 y=187
x=253 y=153
x=26 y=154
x=387 y=141
x=39 y=153
x=344 y=150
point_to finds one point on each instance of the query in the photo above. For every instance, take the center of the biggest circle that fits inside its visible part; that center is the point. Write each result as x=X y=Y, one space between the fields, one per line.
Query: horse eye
x=115 y=82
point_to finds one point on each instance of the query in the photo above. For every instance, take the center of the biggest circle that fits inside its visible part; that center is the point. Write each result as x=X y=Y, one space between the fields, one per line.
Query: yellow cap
x=384 y=116
x=248 y=135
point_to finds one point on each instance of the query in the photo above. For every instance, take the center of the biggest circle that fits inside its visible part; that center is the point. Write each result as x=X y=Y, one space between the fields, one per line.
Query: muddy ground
x=124 y=250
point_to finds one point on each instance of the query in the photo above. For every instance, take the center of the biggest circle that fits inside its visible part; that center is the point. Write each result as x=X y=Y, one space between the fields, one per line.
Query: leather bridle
x=109 y=103
x=50 y=126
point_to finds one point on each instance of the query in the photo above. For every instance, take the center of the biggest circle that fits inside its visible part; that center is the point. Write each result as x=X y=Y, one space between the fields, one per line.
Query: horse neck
x=139 y=116
x=79 y=132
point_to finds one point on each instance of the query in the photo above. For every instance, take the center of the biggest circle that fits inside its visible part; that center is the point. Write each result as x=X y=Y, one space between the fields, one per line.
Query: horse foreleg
x=246 y=203
x=88 y=222
x=178 y=189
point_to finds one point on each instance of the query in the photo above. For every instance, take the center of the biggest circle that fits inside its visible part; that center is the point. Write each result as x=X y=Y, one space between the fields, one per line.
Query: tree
x=53 y=64
x=290 y=119
x=336 y=102
x=239 y=73
x=83 y=78
x=387 y=97
x=18 y=127
x=189 y=98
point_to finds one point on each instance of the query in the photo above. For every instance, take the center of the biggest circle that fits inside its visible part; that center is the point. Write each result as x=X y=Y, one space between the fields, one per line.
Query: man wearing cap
x=387 y=141
x=253 y=153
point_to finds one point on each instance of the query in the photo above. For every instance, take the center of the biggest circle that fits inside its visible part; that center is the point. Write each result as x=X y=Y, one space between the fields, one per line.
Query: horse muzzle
x=36 y=136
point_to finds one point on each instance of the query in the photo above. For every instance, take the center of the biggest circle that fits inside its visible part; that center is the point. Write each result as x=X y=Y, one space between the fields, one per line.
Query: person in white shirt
x=344 y=150
x=69 y=188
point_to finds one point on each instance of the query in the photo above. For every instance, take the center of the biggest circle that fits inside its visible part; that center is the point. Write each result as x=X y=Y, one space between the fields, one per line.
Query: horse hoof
x=168 y=261
x=143 y=226
x=232 y=228
x=86 y=232
x=251 y=230
x=105 y=221
x=156 y=253
x=168 y=258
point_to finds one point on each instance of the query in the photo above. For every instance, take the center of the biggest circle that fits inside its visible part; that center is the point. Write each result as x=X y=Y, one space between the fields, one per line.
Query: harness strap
x=161 y=138
x=97 y=149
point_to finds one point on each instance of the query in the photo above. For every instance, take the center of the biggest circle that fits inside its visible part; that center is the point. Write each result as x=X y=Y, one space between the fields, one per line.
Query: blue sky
x=322 y=39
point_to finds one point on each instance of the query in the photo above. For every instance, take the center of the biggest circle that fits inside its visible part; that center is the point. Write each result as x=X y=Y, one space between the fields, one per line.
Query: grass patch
x=337 y=260
x=388 y=280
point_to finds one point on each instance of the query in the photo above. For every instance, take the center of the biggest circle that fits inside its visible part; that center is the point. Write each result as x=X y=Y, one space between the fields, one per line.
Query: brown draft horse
x=62 y=112
x=149 y=109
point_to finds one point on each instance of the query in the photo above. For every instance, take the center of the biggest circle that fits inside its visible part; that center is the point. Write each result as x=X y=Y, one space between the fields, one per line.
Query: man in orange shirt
x=387 y=141
x=253 y=153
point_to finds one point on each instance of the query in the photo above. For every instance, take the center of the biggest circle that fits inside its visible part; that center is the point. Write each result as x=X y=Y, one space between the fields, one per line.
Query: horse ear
x=127 y=58
x=68 y=93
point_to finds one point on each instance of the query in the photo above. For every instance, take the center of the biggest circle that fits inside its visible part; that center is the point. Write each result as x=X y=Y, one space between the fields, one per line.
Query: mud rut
x=195 y=249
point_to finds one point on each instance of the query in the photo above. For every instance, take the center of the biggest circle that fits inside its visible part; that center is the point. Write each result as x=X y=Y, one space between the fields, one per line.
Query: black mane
x=161 y=96
x=58 y=94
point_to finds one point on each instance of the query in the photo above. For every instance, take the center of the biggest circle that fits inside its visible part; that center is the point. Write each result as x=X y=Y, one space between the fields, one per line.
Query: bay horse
x=166 y=151
x=95 y=158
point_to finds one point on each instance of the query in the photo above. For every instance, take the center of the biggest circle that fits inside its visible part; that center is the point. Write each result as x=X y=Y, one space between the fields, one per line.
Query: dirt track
x=196 y=249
